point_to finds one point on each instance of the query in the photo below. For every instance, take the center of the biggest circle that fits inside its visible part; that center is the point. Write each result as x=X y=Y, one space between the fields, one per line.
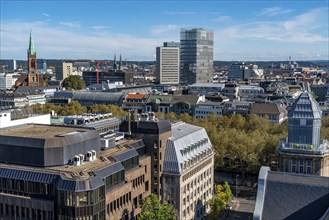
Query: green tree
x=73 y=108
x=152 y=209
x=102 y=108
x=74 y=82
x=221 y=198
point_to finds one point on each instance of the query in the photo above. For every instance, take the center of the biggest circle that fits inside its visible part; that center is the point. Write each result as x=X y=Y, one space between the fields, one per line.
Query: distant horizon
x=91 y=60
x=243 y=31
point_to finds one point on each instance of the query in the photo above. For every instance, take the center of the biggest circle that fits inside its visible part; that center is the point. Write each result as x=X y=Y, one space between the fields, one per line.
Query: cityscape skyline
x=244 y=31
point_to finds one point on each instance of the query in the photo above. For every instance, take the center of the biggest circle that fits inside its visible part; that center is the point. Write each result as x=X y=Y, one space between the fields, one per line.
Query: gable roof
x=267 y=108
x=191 y=99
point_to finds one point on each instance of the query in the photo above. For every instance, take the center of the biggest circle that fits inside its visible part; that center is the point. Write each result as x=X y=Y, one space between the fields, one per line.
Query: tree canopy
x=246 y=143
x=222 y=197
x=152 y=209
x=74 y=82
x=75 y=108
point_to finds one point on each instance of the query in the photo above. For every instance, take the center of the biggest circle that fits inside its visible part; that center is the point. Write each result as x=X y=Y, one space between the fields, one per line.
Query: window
x=309 y=167
x=293 y=166
x=301 y=166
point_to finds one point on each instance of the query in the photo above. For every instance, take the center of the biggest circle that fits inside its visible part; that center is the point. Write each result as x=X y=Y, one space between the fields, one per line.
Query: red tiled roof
x=135 y=96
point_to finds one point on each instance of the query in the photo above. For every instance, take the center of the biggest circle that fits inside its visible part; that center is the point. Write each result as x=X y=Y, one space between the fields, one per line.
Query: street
x=243 y=207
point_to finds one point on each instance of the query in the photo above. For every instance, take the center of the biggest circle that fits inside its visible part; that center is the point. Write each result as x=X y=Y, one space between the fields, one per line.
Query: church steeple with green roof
x=31 y=49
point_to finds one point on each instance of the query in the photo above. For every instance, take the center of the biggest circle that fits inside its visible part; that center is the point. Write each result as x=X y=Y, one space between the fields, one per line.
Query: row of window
x=114 y=179
x=197 y=169
x=298 y=166
x=138 y=181
x=13 y=212
x=118 y=203
x=23 y=187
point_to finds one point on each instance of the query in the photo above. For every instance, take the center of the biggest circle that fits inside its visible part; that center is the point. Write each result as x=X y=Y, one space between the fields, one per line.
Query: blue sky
x=243 y=30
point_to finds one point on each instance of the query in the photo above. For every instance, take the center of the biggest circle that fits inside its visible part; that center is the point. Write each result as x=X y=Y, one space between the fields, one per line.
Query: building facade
x=303 y=151
x=64 y=70
x=60 y=173
x=167 y=64
x=196 y=56
x=188 y=171
x=6 y=81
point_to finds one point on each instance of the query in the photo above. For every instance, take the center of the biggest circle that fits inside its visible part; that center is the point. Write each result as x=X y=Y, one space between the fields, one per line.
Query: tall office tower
x=167 y=63
x=196 y=56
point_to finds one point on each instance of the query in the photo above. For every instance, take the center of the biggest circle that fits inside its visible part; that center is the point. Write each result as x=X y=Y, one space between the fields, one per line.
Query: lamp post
x=236 y=186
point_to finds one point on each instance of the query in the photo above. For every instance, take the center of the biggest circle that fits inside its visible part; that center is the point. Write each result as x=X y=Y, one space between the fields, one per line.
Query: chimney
x=129 y=121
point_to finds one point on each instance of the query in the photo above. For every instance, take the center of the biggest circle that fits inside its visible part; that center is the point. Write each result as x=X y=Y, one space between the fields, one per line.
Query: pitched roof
x=187 y=142
x=191 y=99
x=135 y=96
x=266 y=108
x=293 y=196
x=305 y=107
x=162 y=99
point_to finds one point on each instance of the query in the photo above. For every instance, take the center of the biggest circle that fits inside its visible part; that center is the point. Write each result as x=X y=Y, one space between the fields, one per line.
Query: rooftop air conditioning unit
x=82 y=158
x=89 y=156
x=76 y=160
x=93 y=154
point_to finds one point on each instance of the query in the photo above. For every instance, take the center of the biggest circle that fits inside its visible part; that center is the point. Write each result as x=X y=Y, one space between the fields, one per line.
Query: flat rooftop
x=85 y=170
x=42 y=131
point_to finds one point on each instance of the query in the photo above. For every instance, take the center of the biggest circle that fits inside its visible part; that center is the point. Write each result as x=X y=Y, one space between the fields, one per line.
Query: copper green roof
x=31 y=49
x=160 y=99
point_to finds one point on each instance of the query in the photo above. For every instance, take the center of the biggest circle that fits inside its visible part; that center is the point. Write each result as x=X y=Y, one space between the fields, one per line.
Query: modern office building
x=303 y=151
x=167 y=63
x=59 y=172
x=188 y=171
x=64 y=70
x=236 y=71
x=155 y=134
x=6 y=81
x=110 y=76
x=196 y=56
x=8 y=65
x=42 y=65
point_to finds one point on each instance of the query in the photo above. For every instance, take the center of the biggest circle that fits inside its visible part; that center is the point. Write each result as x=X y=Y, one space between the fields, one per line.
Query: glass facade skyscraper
x=196 y=55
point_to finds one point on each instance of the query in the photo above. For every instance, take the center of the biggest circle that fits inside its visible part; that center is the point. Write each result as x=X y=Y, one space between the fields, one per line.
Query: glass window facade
x=196 y=56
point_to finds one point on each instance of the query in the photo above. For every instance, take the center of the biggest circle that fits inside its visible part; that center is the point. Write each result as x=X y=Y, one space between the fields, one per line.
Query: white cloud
x=222 y=18
x=304 y=28
x=57 y=42
x=45 y=14
x=162 y=29
x=100 y=28
x=75 y=24
x=274 y=11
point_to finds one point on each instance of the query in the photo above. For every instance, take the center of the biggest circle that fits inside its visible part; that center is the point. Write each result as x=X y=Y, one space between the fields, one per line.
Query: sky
x=243 y=30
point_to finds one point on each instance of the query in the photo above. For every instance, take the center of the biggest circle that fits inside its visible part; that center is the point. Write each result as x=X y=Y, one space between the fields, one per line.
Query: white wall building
x=6 y=81
x=167 y=64
x=9 y=118
x=203 y=109
x=188 y=171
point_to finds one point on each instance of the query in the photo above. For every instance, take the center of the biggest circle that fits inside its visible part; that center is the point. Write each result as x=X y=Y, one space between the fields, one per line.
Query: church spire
x=31 y=49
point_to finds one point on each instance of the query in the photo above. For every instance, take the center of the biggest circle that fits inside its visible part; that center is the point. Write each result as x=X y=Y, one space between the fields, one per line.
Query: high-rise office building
x=64 y=70
x=167 y=63
x=196 y=56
